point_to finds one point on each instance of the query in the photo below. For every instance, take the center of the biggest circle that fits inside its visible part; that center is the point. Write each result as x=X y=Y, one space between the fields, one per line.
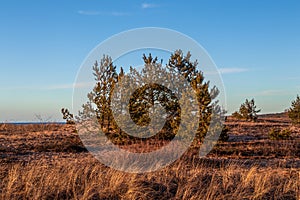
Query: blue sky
x=255 y=44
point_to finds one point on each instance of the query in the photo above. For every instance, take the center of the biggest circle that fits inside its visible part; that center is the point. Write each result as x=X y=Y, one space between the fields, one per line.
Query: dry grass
x=50 y=162
x=88 y=179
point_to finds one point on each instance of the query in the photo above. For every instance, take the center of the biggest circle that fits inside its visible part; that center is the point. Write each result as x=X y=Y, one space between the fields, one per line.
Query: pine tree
x=209 y=109
x=294 y=111
x=99 y=98
x=148 y=95
x=247 y=111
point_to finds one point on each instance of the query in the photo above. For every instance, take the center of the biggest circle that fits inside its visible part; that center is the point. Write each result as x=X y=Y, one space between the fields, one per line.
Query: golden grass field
x=48 y=161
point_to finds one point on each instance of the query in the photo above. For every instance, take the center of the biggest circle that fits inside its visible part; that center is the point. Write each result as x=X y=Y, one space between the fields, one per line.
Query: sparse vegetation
x=280 y=134
x=247 y=111
x=224 y=134
x=67 y=116
x=294 y=111
x=52 y=163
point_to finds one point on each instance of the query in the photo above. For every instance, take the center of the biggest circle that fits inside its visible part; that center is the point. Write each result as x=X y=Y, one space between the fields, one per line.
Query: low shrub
x=224 y=134
x=278 y=134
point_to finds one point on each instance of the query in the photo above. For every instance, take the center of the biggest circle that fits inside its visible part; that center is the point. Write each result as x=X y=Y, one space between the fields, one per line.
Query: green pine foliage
x=277 y=134
x=247 y=111
x=146 y=96
x=294 y=111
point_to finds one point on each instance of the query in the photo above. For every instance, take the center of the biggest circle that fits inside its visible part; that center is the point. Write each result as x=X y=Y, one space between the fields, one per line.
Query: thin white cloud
x=291 y=78
x=226 y=71
x=112 y=13
x=58 y=87
x=19 y=88
x=149 y=5
x=70 y=86
x=52 y=87
x=278 y=92
x=272 y=92
x=88 y=12
x=232 y=70
x=118 y=13
x=67 y=86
